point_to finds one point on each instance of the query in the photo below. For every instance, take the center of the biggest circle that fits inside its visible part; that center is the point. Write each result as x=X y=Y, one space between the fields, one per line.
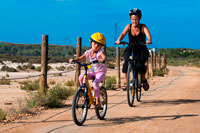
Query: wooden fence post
x=163 y=62
x=118 y=85
x=154 y=59
x=158 y=65
x=44 y=64
x=151 y=64
x=78 y=68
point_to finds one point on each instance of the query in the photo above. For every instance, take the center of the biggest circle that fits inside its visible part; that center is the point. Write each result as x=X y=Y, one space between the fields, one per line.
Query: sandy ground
x=171 y=105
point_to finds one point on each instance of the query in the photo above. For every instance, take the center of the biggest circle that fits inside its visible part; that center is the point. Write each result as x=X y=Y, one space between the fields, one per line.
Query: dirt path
x=171 y=105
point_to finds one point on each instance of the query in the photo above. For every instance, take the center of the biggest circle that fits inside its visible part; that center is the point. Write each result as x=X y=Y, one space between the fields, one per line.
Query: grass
x=53 y=99
x=183 y=62
x=30 y=85
x=2 y=114
x=70 y=83
x=161 y=72
x=4 y=81
x=110 y=82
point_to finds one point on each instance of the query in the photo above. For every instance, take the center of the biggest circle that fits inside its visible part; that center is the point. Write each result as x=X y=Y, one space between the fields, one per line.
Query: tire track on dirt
x=180 y=74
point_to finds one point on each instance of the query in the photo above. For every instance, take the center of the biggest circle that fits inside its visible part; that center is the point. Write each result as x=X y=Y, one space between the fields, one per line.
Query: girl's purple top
x=97 y=67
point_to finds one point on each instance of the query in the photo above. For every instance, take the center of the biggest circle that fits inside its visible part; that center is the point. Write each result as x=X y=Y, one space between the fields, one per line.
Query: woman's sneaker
x=145 y=85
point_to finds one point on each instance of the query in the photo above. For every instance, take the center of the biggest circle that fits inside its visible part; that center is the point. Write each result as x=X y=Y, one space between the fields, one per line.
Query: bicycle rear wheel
x=103 y=101
x=79 y=107
x=139 y=86
x=130 y=86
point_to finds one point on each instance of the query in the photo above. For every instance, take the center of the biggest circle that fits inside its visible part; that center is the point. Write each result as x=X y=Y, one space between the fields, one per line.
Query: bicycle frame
x=88 y=89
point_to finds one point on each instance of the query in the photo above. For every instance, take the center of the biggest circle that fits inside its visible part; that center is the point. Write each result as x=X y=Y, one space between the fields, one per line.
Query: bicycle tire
x=139 y=88
x=103 y=100
x=78 y=109
x=130 y=87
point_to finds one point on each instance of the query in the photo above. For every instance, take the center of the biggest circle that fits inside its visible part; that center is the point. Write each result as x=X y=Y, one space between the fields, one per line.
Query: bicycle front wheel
x=103 y=101
x=79 y=107
x=130 y=87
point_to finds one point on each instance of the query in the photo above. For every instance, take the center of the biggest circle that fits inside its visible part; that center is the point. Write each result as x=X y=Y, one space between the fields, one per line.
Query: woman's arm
x=147 y=33
x=125 y=31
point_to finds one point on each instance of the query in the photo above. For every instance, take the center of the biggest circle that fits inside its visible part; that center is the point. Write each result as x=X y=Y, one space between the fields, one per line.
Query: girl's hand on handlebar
x=71 y=60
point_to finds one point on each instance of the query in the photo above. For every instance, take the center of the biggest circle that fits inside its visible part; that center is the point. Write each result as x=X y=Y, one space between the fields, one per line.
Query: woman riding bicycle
x=98 y=70
x=137 y=32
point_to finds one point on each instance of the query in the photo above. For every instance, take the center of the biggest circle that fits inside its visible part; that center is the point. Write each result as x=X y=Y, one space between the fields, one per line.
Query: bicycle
x=134 y=80
x=84 y=98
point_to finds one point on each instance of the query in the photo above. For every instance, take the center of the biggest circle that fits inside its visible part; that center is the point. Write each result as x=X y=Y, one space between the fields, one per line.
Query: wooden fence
x=156 y=61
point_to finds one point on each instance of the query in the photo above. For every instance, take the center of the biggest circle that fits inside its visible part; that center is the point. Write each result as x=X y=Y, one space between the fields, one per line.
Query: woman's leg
x=143 y=57
x=127 y=53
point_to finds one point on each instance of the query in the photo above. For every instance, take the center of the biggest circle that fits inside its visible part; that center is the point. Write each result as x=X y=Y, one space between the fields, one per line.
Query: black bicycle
x=134 y=81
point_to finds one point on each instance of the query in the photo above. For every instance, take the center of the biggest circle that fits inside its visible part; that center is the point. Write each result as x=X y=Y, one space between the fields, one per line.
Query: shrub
x=70 y=83
x=39 y=68
x=52 y=82
x=54 y=97
x=158 y=73
x=7 y=75
x=4 y=81
x=30 y=85
x=109 y=65
x=30 y=66
x=110 y=82
x=2 y=114
x=57 y=74
x=61 y=68
x=8 y=69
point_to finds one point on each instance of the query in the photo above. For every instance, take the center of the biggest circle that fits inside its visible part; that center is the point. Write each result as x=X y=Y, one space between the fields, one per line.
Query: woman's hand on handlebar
x=117 y=42
x=148 y=42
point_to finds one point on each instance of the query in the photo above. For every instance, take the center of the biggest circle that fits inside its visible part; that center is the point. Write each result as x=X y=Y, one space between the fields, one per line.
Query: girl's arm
x=81 y=58
x=125 y=31
x=147 y=33
x=103 y=58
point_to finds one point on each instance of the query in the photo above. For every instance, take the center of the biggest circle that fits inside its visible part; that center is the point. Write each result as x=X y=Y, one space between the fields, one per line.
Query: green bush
x=110 y=82
x=158 y=73
x=70 y=83
x=2 y=114
x=30 y=85
x=4 y=81
x=57 y=74
x=109 y=65
x=8 y=69
x=53 y=99
x=39 y=68
x=61 y=68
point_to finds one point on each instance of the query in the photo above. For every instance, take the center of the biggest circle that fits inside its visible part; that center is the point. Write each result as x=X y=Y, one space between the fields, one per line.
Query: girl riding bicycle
x=137 y=32
x=98 y=70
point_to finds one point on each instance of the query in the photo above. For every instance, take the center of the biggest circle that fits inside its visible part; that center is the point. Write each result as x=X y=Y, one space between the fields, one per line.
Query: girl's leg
x=81 y=78
x=98 y=78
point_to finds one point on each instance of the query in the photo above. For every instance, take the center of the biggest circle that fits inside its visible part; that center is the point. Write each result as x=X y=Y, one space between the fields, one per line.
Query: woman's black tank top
x=141 y=37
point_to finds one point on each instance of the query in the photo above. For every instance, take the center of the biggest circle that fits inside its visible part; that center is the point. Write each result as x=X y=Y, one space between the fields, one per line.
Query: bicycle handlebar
x=85 y=64
x=135 y=43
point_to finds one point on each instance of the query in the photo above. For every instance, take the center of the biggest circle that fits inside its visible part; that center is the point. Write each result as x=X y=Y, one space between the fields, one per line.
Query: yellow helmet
x=99 y=38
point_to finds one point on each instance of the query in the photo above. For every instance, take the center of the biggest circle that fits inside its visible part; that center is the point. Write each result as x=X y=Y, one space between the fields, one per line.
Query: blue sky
x=173 y=24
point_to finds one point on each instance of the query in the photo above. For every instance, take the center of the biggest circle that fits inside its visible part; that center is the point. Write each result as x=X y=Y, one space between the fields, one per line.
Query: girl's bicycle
x=84 y=98
x=134 y=81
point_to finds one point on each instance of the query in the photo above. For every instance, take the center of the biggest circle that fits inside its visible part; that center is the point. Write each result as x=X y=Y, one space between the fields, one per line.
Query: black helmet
x=135 y=11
